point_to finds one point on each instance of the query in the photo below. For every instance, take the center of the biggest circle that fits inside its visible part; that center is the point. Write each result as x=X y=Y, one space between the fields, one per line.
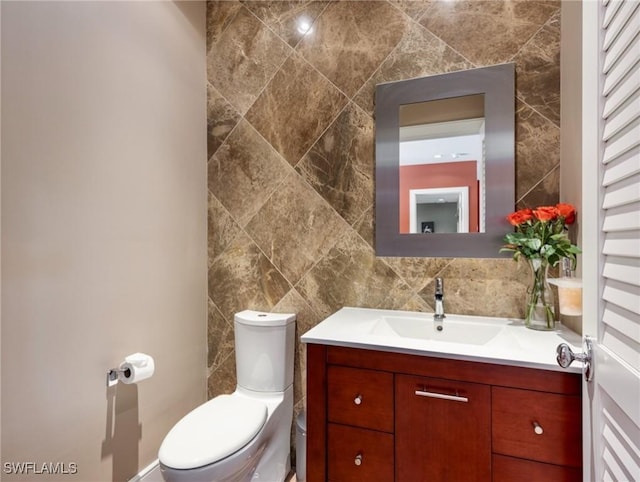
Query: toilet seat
x=213 y=431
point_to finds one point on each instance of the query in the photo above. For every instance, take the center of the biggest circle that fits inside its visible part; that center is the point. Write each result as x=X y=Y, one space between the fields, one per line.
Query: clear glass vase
x=539 y=311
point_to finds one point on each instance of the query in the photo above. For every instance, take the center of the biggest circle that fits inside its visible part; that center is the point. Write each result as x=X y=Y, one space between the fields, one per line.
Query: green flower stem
x=540 y=299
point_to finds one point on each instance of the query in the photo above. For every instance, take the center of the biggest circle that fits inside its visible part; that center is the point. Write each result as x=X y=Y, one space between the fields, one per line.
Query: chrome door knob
x=566 y=356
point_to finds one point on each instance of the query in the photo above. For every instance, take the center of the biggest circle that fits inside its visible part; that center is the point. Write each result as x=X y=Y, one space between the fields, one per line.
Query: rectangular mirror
x=445 y=163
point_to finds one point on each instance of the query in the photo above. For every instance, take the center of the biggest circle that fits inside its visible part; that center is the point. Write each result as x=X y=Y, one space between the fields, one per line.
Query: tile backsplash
x=291 y=140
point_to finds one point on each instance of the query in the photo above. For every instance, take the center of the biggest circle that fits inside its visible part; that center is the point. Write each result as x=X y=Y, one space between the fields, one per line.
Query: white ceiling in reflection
x=442 y=142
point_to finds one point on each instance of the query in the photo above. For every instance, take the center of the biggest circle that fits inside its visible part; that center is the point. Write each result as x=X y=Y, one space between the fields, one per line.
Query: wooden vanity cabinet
x=382 y=416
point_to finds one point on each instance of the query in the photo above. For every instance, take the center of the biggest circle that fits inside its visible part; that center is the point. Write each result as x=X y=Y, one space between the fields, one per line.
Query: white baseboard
x=151 y=473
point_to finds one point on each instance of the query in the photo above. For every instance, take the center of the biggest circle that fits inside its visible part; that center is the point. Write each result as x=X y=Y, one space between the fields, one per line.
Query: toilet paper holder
x=135 y=368
x=112 y=375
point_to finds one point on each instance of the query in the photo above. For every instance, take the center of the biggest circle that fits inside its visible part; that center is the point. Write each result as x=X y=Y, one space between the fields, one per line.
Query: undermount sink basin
x=453 y=331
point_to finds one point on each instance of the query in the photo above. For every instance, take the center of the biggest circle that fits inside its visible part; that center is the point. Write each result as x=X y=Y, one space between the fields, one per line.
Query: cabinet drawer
x=359 y=397
x=535 y=425
x=358 y=455
x=509 y=469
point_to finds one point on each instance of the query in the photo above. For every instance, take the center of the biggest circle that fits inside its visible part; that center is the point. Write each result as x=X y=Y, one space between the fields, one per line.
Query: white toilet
x=244 y=436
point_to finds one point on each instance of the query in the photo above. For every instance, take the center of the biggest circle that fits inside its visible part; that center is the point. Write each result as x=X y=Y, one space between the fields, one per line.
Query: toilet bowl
x=244 y=436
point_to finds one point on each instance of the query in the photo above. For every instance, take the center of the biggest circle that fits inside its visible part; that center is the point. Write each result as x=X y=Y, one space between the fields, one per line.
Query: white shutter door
x=615 y=395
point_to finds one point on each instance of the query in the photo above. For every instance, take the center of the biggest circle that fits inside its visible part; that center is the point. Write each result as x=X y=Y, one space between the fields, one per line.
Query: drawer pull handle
x=358 y=400
x=358 y=460
x=537 y=428
x=442 y=396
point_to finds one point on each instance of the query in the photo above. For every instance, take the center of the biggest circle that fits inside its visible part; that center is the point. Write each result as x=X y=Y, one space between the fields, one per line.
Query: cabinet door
x=443 y=430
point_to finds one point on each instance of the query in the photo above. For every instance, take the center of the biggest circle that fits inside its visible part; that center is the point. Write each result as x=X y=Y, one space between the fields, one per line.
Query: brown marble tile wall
x=291 y=153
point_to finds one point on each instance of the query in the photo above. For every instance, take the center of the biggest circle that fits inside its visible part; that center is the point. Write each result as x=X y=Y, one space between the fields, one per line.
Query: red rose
x=520 y=217
x=567 y=212
x=546 y=213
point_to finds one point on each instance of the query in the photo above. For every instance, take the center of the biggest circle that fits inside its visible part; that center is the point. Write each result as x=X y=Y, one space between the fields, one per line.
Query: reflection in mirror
x=442 y=170
x=447 y=207
x=445 y=167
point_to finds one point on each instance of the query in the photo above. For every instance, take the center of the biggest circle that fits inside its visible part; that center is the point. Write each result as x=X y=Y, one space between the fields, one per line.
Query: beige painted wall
x=103 y=229
x=571 y=125
x=571 y=106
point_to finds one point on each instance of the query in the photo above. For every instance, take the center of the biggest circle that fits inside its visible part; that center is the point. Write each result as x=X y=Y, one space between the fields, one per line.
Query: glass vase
x=539 y=311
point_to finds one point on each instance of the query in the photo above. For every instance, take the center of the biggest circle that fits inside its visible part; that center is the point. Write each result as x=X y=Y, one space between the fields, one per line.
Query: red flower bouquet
x=541 y=233
x=540 y=237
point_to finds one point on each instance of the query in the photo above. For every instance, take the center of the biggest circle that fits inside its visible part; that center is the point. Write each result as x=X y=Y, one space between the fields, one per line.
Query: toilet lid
x=213 y=431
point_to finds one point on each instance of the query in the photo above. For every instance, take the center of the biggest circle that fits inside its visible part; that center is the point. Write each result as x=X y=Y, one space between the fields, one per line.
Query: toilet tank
x=264 y=344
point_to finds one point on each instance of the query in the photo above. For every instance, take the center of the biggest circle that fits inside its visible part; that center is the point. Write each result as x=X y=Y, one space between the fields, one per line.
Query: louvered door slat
x=623 y=41
x=622 y=168
x=624 y=192
x=625 y=116
x=625 y=243
x=612 y=9
x=626 y=63
x=622 y=218
x=623 y=92
x=621 y=144
x=626 y=270
x=623 y=295
x=618 y=22
x=622 y=320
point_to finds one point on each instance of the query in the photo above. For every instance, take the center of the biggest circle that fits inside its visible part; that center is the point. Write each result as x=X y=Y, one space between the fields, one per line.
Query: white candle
x=569 y=295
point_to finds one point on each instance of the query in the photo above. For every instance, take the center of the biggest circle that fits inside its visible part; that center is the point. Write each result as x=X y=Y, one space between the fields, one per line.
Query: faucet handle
x=439 y=286
x=438 y=314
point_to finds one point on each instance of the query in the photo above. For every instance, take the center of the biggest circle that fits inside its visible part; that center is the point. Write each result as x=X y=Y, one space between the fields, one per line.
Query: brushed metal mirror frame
x=497 y=83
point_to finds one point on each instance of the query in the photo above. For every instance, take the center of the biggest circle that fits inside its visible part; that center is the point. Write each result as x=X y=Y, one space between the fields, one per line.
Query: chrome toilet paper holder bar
x=112 y=375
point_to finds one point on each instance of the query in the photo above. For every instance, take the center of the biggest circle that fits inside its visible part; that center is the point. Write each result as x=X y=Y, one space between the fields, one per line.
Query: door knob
x=566 y=356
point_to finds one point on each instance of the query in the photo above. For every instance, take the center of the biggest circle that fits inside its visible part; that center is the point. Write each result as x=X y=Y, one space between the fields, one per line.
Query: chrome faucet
x=438 y=315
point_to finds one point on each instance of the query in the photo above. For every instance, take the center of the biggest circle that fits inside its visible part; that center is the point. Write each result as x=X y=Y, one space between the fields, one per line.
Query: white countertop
x=514 y=344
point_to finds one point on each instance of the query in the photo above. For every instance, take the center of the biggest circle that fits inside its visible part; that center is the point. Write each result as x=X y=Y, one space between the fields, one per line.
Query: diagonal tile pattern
x=419 y=53
x=351 y=275
x=538 y=71
x=340 y=164
x=295 y=227
x=537 y=148
x=290 y=19
x=243 y=59
x=221 y=119
x=291 y=139
x=244 y=172
x=294 y=109
x=350 y=39
x=487 y=31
